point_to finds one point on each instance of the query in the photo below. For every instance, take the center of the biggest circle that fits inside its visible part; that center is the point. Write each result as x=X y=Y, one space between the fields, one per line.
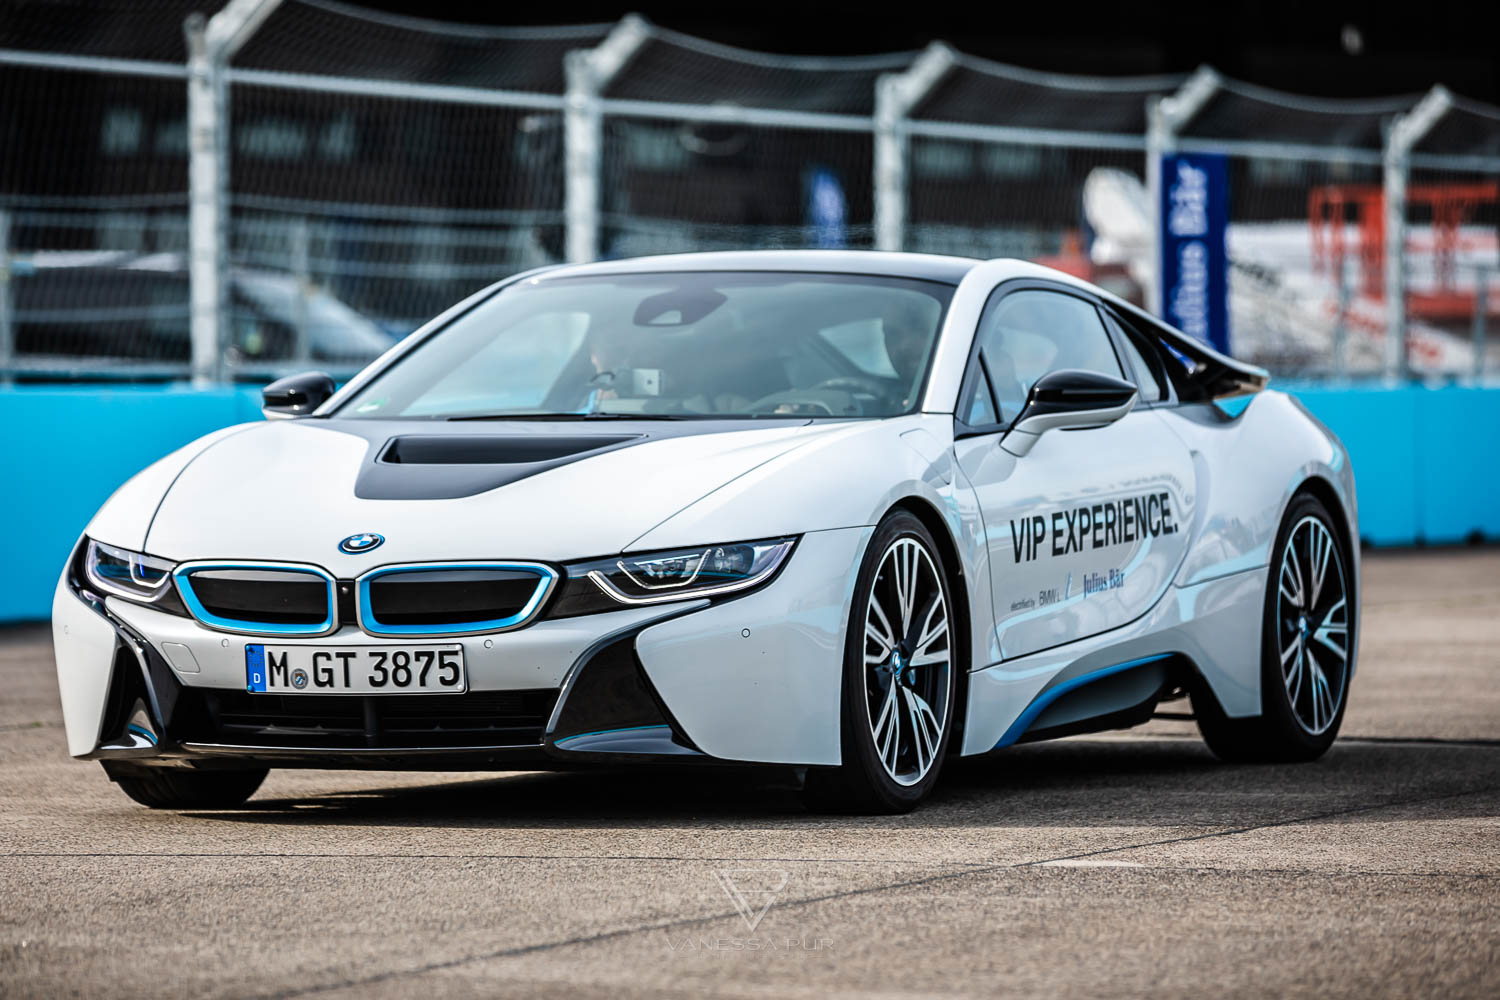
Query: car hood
x=291 y=490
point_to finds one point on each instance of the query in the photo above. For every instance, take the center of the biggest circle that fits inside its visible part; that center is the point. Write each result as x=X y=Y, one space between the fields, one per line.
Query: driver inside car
x=908 y=337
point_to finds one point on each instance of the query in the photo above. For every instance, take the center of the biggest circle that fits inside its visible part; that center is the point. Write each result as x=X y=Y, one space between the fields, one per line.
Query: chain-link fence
x=80 y=226
x=300 y=183
x=1453 y=234
x=1008 y=162
x=1304 y=279
x=711 y=147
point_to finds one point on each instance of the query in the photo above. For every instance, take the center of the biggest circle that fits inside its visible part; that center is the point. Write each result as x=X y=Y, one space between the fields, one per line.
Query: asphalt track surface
x=1127 y=864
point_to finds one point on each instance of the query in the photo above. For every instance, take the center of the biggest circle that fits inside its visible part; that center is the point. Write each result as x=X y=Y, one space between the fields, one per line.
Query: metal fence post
x=1158 y=142
x=589 y=72
x=7 y=314
x=1394 y=180
x=1341 y=325
x=205 y=204
x=1405 y=132
x=211 y=44
x=582 y=141
x=302 y=275
x=896 y=96
x=1481 y=318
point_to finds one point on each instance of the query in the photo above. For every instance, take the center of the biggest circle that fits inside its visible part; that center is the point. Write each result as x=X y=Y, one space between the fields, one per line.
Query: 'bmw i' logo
x=363 y=542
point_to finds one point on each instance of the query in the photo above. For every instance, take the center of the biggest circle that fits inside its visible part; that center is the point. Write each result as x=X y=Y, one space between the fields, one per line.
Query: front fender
x=844 y=479
x=847 y=480
x=126 y=516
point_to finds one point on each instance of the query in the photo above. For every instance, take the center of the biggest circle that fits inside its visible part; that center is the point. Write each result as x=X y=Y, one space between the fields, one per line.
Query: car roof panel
x=930 y=267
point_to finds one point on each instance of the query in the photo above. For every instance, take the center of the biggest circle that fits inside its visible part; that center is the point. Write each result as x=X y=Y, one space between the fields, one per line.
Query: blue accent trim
x=654 y=740
x=605 y=732
x=195 y=607
x=546 y=579
x=1047 y=697
x=142 y=732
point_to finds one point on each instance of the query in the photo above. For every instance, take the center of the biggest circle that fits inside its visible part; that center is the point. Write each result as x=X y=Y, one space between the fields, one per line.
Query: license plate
x=355 y=669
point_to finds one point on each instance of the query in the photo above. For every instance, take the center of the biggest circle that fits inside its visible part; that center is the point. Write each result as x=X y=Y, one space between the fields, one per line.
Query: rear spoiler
x=1210 y=375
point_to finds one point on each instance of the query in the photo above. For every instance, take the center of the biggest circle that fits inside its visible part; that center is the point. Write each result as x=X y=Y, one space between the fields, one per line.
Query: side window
x=981 y=411
x=1151 y=356
x=1145 y=372
x=1029 y=333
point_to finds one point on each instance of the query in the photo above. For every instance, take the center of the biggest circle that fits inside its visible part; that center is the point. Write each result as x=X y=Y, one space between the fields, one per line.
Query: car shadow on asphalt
x=1131 y=781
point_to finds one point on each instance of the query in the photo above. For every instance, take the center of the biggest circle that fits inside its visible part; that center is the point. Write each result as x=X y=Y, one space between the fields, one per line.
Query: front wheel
x=169 y=788
x=900 y=676
x=1307 y=641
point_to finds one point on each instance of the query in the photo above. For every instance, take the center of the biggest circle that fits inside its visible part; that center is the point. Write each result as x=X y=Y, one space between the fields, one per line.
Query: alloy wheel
x=907 y=662
x=1312 y=625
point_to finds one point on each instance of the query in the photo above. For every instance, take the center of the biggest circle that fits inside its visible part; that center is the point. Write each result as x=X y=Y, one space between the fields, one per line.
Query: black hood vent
x=460 y=463
x=440 y=460
x=507 y=449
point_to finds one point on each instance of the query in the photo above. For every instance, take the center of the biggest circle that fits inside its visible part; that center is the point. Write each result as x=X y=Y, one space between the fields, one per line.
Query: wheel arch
x=1322 y=490
x=932 y=519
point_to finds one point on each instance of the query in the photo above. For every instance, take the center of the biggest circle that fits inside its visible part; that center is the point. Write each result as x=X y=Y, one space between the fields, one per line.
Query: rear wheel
x=165 y=788
x=899 y=677
x=1306 y=635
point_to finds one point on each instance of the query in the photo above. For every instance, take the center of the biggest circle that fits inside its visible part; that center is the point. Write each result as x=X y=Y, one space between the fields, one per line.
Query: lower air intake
x=314 y=722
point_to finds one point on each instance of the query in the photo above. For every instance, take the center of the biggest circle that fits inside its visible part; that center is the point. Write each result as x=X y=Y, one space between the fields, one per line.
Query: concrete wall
x=1427 y=463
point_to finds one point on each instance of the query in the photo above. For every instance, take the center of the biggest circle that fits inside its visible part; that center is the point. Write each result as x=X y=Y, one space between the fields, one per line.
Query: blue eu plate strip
x=255 y=667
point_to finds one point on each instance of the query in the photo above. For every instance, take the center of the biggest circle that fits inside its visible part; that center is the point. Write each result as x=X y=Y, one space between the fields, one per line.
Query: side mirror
x=295 y=395
x=1069 y=399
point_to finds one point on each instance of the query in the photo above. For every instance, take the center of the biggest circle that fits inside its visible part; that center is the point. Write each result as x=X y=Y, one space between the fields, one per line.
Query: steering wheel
x=856 y=383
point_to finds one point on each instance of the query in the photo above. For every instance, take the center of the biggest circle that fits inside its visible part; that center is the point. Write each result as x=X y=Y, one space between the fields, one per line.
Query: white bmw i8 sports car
x=849 y=512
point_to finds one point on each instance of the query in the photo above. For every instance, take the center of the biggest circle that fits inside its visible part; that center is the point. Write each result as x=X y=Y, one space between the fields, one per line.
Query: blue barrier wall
x=66 y=449
x=1427 y=463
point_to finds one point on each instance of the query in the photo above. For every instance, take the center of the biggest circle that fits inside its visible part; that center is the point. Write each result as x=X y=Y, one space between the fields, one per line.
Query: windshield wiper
x=573 y=416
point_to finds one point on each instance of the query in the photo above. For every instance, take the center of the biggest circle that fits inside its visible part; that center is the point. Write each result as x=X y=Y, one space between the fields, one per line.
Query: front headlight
x=675 y=575
x=134 y=576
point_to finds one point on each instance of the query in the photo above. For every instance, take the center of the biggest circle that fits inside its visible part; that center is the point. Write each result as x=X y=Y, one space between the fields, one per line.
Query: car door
x=1085 y=531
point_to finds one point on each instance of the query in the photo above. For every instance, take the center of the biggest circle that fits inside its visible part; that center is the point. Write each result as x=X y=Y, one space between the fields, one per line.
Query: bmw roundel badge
x=362 y=542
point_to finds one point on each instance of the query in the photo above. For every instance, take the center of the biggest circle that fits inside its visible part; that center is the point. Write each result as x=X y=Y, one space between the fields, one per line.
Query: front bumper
x=753 y=679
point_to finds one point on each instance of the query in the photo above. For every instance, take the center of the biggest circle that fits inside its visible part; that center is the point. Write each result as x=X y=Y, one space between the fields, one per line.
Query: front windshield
x=686 y=344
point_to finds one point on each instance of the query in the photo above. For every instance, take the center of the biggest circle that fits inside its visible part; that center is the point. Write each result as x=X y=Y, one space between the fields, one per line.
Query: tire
x=912 y=687
x=163 y=788
x=1304 y=657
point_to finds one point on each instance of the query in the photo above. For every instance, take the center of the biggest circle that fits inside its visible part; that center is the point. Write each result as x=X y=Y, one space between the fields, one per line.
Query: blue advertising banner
x=1194 y=262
